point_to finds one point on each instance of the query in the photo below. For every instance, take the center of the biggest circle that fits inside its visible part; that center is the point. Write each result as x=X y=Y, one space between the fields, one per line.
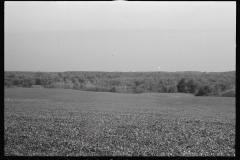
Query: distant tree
x=113 y=89
x=146 y=85
x=38 y=81
x=21 y=82
x=44 y=81
x=31 y=81
x=60 y=75
x=50 y=86
x=138 y=82
x=66 y=80
x=160 y=89
x=22 y=76
x=91 y=78
x=16 y=81
x=67 y=86
x=223 y=86
x=12 y=76
x=182 y=86
x=6 y=76
x=76 y=85
x=217 y=90
x=7 y=83
x=153 y=85
x=205 y=90
x=81 y=79
x=25 y=84
x=82 y=86
x=122 y=89
x=75 y=80
x=187 y=82
x=138 y=89
x=172 y=89
x=229 y=93
x=165 y=89
x=39 y=74
x=192 y=86
x=56 y=79
x=50 y=80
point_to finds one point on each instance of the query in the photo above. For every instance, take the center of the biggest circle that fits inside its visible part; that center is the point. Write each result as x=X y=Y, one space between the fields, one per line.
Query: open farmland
x=61 y=122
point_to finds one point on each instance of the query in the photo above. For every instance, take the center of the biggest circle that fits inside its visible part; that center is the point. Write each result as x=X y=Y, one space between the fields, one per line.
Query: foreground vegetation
x=196 y=83
x=45 y=122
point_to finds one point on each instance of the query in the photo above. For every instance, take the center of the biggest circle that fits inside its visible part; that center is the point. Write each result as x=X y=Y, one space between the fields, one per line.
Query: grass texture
x=60 y=122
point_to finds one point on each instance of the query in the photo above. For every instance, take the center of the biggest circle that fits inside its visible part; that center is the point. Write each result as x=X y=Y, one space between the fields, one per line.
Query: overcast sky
x=120 y=36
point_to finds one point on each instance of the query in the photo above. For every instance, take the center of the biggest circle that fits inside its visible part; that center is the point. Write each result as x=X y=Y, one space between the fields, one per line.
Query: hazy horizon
x=120 y=36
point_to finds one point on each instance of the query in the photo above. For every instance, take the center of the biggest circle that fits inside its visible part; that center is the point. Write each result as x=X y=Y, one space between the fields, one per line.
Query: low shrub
x=229 y=93
x=97 y=89
x=113 y=89
x=205 y=90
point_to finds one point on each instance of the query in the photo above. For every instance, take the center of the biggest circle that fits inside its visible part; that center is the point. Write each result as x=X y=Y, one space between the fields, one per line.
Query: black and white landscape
x=119 y=79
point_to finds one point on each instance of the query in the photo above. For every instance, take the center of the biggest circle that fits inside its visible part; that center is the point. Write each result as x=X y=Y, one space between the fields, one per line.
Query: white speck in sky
x=159 y=67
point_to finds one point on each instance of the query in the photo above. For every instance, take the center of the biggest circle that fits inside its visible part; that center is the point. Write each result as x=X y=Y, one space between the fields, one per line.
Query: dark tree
x=75 y=80
x=22 y=76
x=81 y=79
x=12 y=76
x=76 y=85
x=193 y=86
x=172 y=89
x=113 y=89
x=16 y=81
x=182 y=86
x=7 y=83
x=25 y=84
x=38 y=81
x=60 y=75
x=187 y=82
x=205 y=90
x=138 y=89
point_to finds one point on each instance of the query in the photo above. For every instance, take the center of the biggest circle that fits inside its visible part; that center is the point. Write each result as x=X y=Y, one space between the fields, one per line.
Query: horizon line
x=123 y=71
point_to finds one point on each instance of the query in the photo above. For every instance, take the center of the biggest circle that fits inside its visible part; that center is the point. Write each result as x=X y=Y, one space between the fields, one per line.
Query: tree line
x=197 y=83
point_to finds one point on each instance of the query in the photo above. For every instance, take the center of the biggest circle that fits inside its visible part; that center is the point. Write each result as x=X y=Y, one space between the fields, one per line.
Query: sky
x=120 y=36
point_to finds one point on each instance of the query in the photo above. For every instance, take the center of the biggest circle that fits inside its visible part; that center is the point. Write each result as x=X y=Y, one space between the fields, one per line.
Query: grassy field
x=61 y=122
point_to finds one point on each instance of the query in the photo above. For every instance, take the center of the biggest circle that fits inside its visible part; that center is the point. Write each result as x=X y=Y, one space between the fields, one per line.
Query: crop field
x=62 y=122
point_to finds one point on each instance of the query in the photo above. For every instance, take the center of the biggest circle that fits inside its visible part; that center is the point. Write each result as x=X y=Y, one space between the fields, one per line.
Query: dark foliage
x=197 y=83
x=229 y=93
x=205 y=90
